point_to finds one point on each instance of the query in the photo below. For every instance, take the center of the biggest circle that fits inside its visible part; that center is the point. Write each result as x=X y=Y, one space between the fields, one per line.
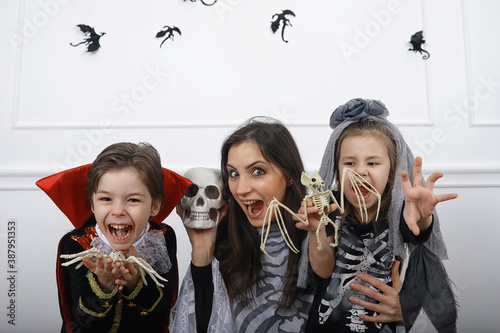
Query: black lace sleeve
x=203 y=294
x=408 y=236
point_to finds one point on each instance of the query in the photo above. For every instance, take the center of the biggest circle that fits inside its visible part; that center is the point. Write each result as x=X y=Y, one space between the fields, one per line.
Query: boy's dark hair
x=143 y=157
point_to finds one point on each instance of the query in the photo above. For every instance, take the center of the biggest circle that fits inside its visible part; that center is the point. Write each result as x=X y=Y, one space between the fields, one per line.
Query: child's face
x=253 y=181
x=122 y=206
x=367 y=155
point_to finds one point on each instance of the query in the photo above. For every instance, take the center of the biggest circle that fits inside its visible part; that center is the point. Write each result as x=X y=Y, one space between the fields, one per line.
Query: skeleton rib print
x=359 y=251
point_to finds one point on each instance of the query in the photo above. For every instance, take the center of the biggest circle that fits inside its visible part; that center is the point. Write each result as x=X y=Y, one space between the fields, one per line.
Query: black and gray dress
x=361 y=250
x=203 y=288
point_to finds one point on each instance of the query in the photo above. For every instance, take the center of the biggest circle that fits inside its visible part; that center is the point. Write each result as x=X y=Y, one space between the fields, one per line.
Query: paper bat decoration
x=169 y=32
x=281 y=18
x=92 y=40
x=416 y=41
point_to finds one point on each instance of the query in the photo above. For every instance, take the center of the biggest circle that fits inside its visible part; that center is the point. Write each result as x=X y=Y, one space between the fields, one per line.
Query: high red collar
x=67 y=191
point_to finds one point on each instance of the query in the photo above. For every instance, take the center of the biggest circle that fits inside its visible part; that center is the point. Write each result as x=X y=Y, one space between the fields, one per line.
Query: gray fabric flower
x=358 y=108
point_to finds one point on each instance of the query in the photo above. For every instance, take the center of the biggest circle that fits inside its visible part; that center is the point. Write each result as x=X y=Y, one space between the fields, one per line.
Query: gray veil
x=360 y=110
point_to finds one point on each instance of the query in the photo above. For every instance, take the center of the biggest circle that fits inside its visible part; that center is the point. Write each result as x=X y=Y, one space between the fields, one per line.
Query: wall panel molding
x=474 y=99
x=26 y=120
x=454 y=177
x=191 y=124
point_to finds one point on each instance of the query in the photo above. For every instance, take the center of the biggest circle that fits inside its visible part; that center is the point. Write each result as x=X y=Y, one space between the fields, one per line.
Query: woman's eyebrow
x=228 y=165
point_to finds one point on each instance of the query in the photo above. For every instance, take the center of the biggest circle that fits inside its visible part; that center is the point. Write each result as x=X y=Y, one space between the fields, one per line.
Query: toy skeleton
x=319 y=198
x=141 y=264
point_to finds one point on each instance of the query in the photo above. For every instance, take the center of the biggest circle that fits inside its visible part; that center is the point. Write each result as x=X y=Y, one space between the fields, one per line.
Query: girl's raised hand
x=322 y=261
x=312 y=216
x=420 y=199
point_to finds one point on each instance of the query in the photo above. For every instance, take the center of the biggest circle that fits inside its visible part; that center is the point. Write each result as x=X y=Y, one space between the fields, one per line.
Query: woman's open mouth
x=120 y=231
x=254 y=208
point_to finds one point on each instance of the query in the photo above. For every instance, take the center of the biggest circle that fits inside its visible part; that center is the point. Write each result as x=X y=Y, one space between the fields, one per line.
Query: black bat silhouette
x=169 y=33
x=281 y=18
x=206 y=4
x=416 y=41
x=92 y=40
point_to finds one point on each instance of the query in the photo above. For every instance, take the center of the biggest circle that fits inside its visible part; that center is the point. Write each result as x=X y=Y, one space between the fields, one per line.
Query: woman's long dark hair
x=237 y=247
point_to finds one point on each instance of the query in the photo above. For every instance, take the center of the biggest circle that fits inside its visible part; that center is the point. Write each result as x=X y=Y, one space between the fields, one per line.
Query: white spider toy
x=140 y=263
x=319 y=198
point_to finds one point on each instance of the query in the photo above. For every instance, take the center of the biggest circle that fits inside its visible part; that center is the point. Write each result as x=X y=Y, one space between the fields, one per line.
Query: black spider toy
x=92 y=40
x=169 y=33
x=416 y=41
x=281 y=18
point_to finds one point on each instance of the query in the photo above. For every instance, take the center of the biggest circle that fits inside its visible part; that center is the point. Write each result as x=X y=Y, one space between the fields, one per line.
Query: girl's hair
x=242 y=239
x=382 y=132
x=143 y=157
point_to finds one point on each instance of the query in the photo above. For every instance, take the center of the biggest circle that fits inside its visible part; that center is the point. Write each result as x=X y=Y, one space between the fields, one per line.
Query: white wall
x=60 y=106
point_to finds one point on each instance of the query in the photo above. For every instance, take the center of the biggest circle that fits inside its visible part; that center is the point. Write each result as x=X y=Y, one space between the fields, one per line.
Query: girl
x=125 y=188
x=365 y=142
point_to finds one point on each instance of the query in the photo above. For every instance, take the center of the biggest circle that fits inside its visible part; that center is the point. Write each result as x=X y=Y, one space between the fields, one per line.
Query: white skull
x=203 y=200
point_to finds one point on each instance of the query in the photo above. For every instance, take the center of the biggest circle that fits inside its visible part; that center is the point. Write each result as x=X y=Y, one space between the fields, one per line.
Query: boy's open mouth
x=254 y=208
x=120 y=231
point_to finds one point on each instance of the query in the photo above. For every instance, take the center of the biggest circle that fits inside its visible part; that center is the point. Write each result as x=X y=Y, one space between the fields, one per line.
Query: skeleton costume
x=362 y=250
x=84 y=306
x=204 y=287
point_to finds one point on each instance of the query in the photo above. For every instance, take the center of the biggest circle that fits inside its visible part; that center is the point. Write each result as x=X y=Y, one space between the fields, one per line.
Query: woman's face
x=254 y=181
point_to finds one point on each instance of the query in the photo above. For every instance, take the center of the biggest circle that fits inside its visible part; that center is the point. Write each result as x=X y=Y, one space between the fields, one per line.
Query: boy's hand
x=130 y=274
x=420 y=199
x=106 y=271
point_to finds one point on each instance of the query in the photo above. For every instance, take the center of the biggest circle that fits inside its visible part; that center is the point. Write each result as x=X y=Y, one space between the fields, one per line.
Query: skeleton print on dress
x=203 y=200
x=360 y=251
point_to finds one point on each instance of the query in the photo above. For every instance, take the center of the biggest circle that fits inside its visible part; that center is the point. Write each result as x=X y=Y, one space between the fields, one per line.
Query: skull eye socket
x=191 y=192
x=212 y=192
